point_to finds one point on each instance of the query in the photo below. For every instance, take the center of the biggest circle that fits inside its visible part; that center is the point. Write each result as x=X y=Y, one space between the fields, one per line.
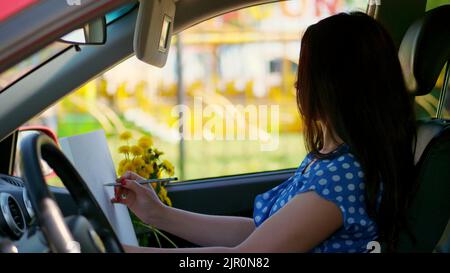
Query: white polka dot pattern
x=339 y=179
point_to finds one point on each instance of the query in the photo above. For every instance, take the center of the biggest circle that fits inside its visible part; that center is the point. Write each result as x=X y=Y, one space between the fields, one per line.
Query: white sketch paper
x=90 y=155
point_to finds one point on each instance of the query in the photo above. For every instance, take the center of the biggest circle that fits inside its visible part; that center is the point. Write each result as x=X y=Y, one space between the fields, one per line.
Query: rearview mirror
x=93 y=33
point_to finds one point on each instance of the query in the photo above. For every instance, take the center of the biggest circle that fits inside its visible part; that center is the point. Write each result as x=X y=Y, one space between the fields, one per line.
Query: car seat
x=423 y=53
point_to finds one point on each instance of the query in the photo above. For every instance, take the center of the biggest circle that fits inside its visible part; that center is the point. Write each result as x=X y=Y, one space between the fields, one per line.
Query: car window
x=445 y=97
x=426 y=106
x=16 y=72
x=238 y=105
x=431 y=4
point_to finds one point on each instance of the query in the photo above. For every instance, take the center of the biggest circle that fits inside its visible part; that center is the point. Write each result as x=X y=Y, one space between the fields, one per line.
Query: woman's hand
x=142 y=200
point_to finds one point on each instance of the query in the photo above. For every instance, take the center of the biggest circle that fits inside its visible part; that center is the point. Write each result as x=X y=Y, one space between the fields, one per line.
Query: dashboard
x=19 y=230
x=16 y=212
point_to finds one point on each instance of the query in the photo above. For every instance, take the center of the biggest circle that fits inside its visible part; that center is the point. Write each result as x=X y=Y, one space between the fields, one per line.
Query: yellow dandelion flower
x=136 y=150
x=123 y=162
x=143 y=173
x=145 y=142
x=168 y=201
x=125 y=136
x=136 y=164
x=167 y=164
x=163 y=191
x=125 y=149
x=146 y=138
x=149 y=168
x=144 y=145
x=120 y=171
x=129 y=167
x=169 y=167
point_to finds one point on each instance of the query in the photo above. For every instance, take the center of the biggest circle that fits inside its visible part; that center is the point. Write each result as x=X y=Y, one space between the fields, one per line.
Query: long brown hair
x=350 y=80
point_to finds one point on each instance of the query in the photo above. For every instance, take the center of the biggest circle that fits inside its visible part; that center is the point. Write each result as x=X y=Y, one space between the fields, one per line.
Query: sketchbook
x=90 y=155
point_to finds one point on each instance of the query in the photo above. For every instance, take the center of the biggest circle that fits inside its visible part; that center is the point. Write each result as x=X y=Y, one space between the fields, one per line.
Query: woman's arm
x=304 y=222
x=200 y=229
x=205 y=230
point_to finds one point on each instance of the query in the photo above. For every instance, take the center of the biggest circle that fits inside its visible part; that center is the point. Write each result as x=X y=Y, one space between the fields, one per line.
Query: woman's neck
x=330 y=141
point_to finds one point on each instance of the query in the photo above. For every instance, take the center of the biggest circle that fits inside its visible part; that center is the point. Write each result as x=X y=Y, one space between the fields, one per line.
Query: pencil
x=143 y=182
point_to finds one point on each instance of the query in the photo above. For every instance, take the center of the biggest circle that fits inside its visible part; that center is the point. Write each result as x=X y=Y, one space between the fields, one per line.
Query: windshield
x=21 y=69
x=16 y=72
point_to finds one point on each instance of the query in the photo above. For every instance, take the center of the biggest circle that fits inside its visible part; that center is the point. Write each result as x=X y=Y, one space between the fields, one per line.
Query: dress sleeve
x=340 y=182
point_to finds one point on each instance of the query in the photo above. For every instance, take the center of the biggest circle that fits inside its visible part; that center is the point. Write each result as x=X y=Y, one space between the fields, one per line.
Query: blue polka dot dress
x=337 y=178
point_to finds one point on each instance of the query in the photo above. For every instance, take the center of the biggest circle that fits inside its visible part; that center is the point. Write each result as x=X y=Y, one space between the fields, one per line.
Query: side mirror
x=93 y=33
x=26 y=130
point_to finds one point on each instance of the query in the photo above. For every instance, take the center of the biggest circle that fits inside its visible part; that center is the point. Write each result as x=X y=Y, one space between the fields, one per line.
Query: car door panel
x=230 y=195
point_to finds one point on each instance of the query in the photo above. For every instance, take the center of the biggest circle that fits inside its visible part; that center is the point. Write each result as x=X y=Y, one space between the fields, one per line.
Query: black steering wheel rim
x=39 y=146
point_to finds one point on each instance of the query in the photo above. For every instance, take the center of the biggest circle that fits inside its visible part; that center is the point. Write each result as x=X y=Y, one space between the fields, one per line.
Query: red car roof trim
x=9 y=8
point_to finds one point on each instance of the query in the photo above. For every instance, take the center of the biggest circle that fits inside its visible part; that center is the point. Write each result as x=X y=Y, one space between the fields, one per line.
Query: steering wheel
x=90 y=226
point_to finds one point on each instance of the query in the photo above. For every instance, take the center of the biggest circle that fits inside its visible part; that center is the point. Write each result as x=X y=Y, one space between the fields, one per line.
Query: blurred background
x=244 y=58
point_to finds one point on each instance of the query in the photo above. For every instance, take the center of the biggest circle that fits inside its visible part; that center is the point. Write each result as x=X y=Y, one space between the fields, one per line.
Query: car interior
x=36 y=217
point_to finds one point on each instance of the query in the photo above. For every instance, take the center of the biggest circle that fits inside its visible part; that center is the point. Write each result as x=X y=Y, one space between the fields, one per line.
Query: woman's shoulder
x=339 y=179
x=341 y=160
x=344 y=162
x=337 y=175
x=343 y=168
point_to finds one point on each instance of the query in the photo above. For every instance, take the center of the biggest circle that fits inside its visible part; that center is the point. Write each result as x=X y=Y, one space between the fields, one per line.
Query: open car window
x=234 y=87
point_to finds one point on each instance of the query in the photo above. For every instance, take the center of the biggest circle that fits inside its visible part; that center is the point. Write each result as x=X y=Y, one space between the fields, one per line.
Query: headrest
x=425 y=49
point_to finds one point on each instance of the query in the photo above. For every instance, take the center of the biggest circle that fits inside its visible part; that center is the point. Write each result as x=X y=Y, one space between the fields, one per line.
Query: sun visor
x=153 y=31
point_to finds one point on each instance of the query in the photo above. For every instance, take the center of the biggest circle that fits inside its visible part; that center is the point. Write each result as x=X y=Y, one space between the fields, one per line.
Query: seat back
x=423 y=53
x=430 y=211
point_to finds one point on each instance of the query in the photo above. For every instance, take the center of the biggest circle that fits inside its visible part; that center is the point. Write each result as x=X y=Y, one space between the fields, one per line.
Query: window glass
x=446 y=99
x=426 y=106
x=238 y=104
x=431 y=4
x=19 y=70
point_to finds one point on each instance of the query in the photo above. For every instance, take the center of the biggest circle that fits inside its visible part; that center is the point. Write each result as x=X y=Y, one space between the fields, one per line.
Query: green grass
x=219 y=158
x=206 y=158
x=75 y=124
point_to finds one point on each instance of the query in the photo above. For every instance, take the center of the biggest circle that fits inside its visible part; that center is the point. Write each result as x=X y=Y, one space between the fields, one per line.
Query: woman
x=354 y=185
